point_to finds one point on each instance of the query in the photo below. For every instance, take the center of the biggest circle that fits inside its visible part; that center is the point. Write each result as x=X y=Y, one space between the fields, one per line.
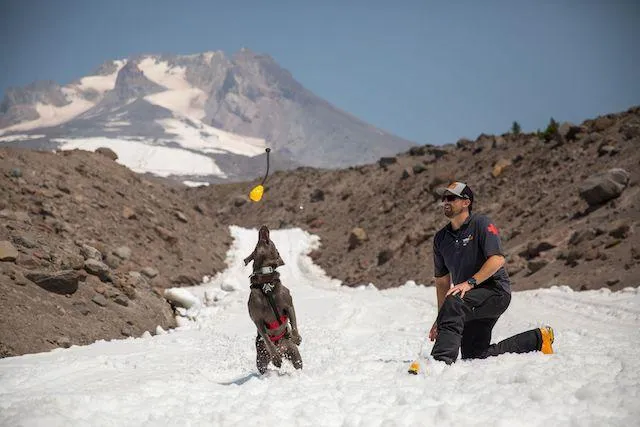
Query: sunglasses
x=450 y=198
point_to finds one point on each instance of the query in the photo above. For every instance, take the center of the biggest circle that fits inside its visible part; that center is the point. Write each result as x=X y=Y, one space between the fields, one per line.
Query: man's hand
x=460 y=288
x=433 y=333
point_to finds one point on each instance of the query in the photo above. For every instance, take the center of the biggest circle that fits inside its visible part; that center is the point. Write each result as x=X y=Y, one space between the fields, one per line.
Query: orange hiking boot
x=547 y=339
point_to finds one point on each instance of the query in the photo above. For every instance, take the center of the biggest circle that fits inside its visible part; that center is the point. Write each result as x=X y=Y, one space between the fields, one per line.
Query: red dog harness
x=275 y=325
x=267 y=290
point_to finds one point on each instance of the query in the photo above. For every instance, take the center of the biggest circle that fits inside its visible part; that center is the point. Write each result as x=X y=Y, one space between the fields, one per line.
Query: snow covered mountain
x=356 y=346
x=201 y=117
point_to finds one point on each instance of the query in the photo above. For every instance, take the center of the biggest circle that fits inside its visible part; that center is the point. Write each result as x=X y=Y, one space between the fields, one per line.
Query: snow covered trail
x=356 y=347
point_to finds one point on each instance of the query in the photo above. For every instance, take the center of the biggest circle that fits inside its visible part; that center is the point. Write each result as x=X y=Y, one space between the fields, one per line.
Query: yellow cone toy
x=414 y=368
x=256 y=193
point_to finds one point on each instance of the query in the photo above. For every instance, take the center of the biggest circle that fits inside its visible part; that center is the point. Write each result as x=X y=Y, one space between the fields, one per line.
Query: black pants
x=466 y=324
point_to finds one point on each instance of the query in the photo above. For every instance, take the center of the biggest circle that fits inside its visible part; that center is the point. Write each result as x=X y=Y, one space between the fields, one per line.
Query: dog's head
x=263 y=234
x=265 y=254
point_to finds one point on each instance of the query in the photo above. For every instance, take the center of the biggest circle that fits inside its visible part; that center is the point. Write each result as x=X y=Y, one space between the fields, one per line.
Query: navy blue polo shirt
x=461 y=253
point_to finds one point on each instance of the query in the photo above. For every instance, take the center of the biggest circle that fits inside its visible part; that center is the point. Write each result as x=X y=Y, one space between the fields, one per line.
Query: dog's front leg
x=248 y=259
x=295 y=335
x=276 y=359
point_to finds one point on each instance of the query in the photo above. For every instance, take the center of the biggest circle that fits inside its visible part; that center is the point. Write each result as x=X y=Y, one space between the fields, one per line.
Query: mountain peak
x=132 y=83
x=247 y=94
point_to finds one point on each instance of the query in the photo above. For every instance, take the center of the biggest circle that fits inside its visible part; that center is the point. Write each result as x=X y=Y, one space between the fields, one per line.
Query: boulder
x=89 y=252
x=387 y=206
x=357 y=237
x=64 y=187
x=620 y=231
x=387 y=161
x=438 y=152
x=121 y=300
x=136 y=279
x=485 y=142
x=317 y=195
x=534 y=249
x=537 y=265
x=100 y=300
x=181 y=217
x=113 y=261
x=580 y=236
x=61 y=282
x=602 y=123
x=499 y=142
x=384 y=256
x=200 y=208
x=150 y=272
x=166 y=235
x=499 y=167
x=406 y=173
x=24 y=241
x=569 y=131
x=602 y=187
x=81 y=307
x=7 y=251
x=97 y=268
x=573 y=256
x=128 y=213
x=19 y=278
x=185 y=280
x=63 y=342
x=607 y=149
x=419 y=150
x=108 y=153
x=123 y=252
x=630 y=129
x=72 y=261
x=418 y=169
x=464 y=143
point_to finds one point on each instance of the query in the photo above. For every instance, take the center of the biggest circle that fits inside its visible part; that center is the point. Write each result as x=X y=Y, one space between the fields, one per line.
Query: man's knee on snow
x=451 y=316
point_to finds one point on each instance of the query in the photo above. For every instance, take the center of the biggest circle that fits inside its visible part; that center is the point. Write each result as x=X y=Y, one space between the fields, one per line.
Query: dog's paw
x=296 y=338
x=277 y=361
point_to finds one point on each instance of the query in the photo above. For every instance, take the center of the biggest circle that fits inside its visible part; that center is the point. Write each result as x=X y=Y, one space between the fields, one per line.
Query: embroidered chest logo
x=466 y=240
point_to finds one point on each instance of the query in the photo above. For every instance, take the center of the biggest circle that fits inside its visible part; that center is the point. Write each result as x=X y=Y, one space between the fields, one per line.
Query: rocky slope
x=561 y=222
x=87 y=246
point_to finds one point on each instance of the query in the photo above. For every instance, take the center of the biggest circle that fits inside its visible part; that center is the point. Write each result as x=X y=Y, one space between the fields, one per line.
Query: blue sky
x=428 y=71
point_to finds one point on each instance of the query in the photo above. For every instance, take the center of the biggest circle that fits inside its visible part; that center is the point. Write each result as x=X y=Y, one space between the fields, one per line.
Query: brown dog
x=271 y=307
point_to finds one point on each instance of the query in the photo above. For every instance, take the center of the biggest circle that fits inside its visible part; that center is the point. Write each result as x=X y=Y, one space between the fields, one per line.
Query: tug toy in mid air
x=257 y=192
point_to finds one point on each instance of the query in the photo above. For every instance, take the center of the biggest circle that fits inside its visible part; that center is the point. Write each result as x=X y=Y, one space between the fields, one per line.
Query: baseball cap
x=457 y=188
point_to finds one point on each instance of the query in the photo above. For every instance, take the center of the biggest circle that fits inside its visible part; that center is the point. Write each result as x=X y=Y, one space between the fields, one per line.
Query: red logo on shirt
x=492 y=229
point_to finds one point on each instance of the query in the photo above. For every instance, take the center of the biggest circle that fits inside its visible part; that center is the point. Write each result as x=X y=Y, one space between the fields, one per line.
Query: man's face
x=453 y=205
